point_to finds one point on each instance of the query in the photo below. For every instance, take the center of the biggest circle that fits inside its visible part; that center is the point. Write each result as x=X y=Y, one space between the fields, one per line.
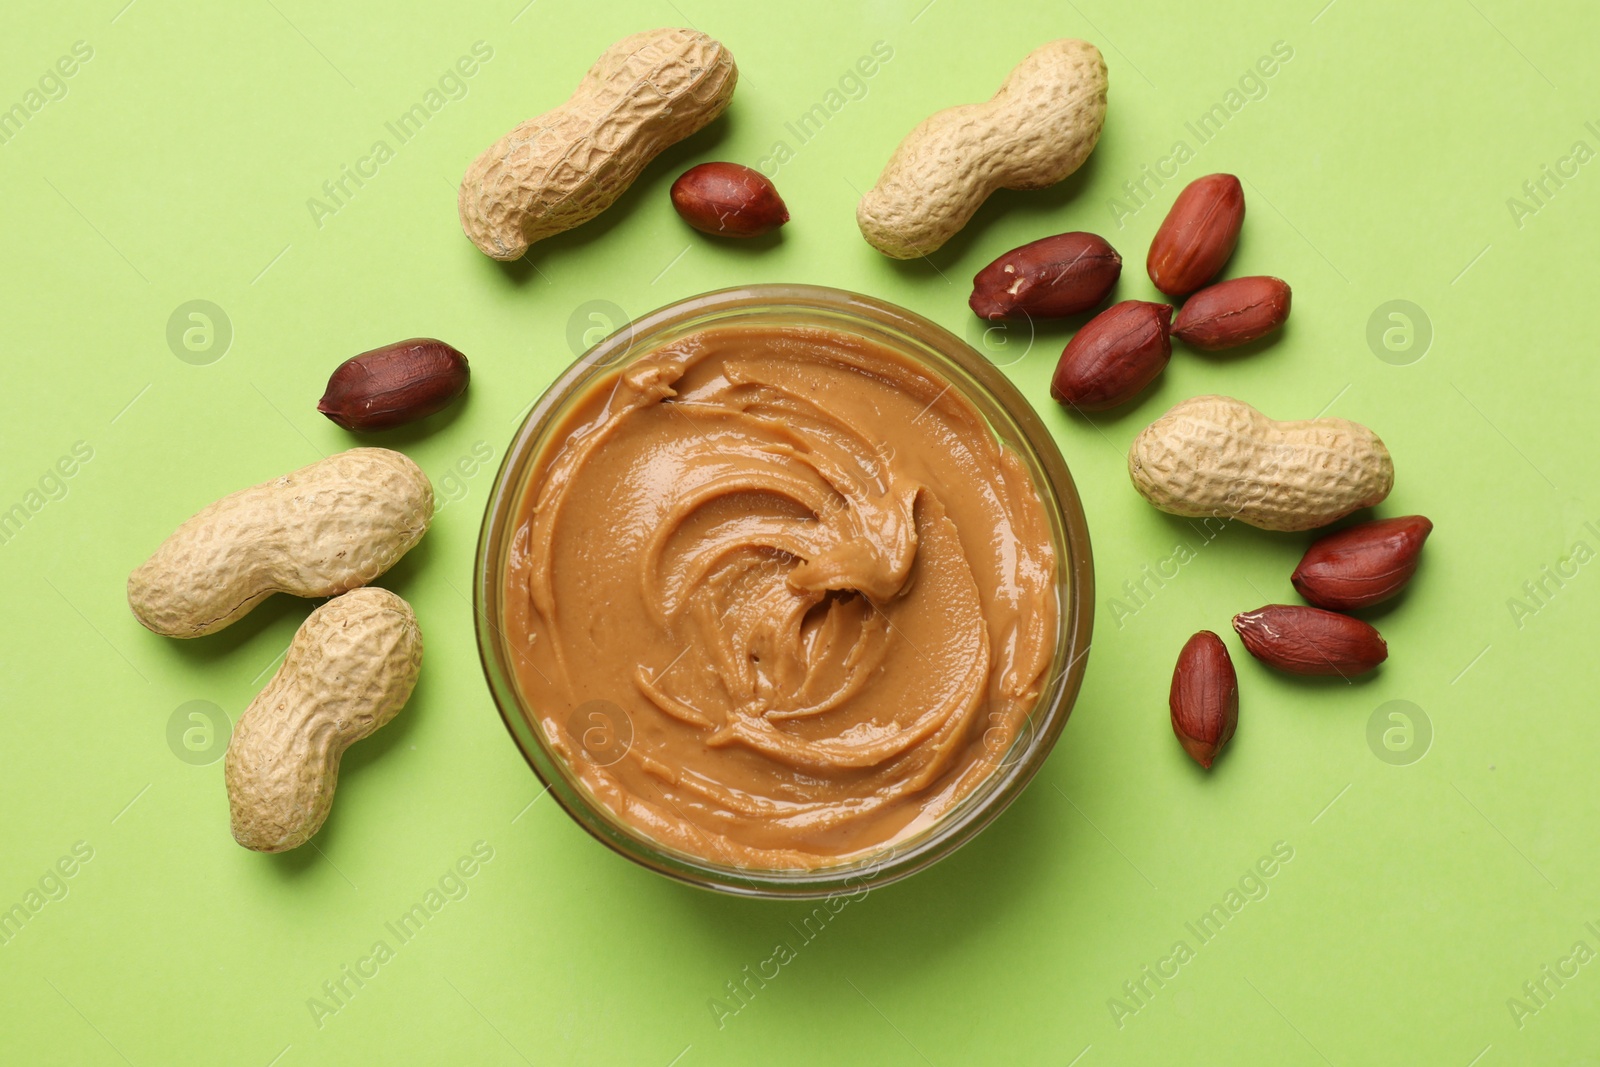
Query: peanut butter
x=778 y=595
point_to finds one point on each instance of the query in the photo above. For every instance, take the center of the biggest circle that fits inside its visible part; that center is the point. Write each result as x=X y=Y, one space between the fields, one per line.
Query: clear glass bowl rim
x=919 y=337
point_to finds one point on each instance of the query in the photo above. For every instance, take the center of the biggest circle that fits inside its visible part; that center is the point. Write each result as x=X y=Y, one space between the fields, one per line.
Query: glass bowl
x=942 y=355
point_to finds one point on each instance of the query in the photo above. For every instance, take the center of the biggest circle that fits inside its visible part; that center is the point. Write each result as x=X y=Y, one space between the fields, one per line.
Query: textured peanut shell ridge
x=350 y=669
x=1037 y=129
x=320 y=531
x=1214 y=456
x=564 y=167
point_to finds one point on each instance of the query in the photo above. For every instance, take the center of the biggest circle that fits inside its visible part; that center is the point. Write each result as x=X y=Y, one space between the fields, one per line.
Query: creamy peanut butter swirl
x=779 y=595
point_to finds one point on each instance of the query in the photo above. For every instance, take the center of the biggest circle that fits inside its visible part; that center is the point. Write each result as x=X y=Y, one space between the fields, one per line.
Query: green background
x=1432 y=875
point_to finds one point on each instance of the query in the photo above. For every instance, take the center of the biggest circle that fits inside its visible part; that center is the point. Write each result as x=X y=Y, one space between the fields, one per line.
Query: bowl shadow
x=884 y=931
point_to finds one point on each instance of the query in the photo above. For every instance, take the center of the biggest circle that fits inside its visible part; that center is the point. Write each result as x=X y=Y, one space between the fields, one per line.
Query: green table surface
x=1432 y=891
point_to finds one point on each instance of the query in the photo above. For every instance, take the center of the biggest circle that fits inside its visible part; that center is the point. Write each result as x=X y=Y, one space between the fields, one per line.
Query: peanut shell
x=1215 y=456
x=350 y=668
x=564 y=167
x=1036 y=130
x=319 y=531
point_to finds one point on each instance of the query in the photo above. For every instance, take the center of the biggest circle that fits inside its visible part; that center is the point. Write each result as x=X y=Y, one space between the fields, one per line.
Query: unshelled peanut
x=319 y=531
x=1215 y=456
x=564 y=167
x=350 y=668
x=1036 y=130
